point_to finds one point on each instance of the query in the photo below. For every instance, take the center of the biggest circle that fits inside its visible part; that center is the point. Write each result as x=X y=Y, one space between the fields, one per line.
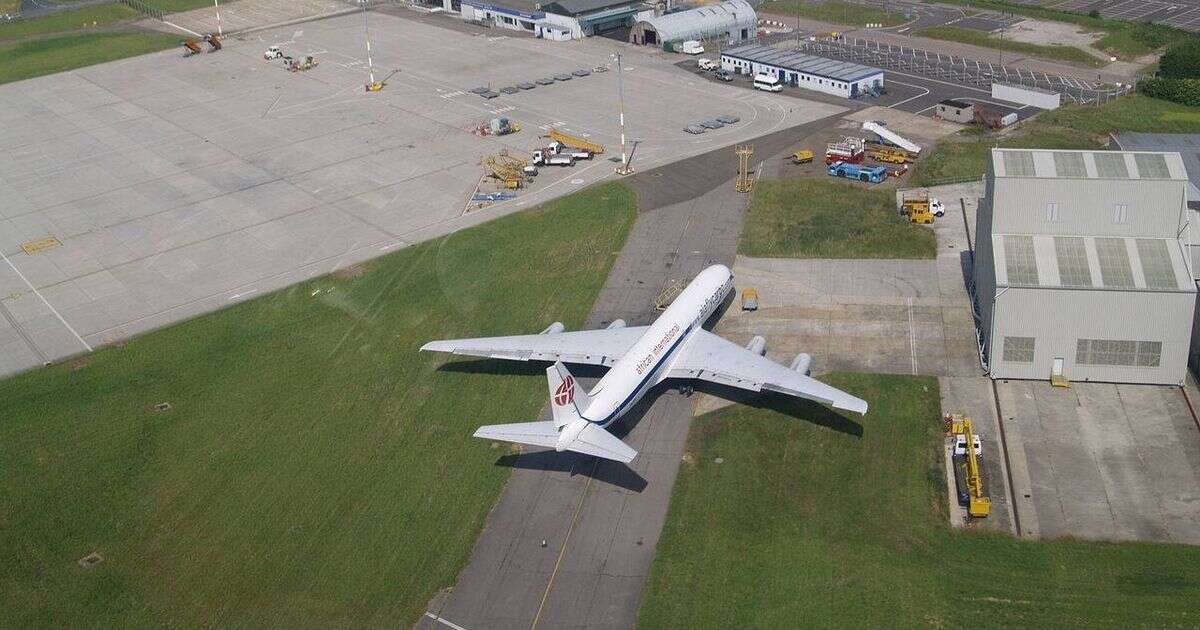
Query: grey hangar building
x=1081 y=267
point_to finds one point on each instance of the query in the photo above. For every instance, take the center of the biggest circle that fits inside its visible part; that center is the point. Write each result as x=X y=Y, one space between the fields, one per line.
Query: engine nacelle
x=556 y=327
x=757 y=345
x=802 y=363
x=616 y=323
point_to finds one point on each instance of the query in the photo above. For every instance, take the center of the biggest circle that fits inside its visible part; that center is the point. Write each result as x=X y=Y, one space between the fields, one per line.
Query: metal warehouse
x=733 y=21
x=840 y=78
x=1081 y=270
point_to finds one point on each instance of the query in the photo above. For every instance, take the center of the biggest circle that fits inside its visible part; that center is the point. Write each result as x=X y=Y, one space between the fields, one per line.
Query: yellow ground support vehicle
x=749 y=300
x=890 y=155
x=919 y=207
x=576 y=142
x=803 y=156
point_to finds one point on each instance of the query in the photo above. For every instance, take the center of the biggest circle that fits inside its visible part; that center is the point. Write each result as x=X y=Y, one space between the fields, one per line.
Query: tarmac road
x=600 y=520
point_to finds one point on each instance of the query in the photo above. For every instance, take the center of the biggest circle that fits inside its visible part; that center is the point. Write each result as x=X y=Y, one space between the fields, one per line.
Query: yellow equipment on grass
x=576 y=142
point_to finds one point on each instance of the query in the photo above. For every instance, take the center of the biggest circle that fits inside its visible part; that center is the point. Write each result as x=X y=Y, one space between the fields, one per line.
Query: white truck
x=704 y=63
x=272 y=53
x=558 y=148
x=544 y=157
x=691 y=47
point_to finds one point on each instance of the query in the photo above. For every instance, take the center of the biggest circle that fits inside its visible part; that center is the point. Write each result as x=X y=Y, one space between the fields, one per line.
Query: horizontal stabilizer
x=589 y=440
x=535 y=433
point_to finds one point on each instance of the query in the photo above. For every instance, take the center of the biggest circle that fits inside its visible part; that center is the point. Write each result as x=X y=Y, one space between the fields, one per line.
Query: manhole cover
x=90 y=560
x=162 y=406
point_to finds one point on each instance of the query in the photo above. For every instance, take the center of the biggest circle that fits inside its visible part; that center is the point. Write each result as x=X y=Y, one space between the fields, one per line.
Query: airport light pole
x=372 y=86
x=624 y=168
x=217 y=8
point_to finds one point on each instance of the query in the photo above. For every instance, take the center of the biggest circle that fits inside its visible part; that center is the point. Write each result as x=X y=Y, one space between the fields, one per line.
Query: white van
x=691 y=47
x=767 y=82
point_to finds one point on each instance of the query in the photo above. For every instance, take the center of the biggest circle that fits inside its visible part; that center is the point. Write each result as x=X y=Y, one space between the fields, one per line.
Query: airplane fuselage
x=641 y=367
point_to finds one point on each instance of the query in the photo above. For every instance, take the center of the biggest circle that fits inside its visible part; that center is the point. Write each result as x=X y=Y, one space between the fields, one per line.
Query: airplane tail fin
x=580 y=436
x=568 y=431
x=568 y=399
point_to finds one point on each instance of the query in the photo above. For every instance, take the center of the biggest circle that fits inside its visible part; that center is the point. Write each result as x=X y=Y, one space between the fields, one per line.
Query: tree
x=1181 y=61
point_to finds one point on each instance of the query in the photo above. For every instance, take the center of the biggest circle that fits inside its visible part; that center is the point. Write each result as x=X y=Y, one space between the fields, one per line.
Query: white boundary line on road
x=912 y=338
x=927 y=90
x=44 y=301
x=443 y=621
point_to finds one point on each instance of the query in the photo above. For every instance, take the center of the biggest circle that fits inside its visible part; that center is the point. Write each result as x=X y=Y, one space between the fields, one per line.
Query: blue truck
x=873 y=174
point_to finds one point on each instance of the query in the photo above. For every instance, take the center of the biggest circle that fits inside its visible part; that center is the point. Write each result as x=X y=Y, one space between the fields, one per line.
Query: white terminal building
x=1081 y=266
x=839 y=78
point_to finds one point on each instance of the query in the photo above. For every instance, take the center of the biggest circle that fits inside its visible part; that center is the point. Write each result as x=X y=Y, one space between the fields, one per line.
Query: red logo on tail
x=564 y=394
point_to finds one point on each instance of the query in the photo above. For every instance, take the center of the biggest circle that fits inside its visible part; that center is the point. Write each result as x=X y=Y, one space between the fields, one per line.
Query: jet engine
x=802 y=363
x=556 y=327
x=757 y=345
x=616 y=323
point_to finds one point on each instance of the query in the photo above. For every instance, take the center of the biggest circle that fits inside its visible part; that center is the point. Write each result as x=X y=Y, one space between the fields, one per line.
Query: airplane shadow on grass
x=622 y=475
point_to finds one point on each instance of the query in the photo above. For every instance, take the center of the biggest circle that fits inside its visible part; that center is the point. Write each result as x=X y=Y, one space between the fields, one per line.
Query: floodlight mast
x=624 y=168
x=217 y=8
x=367 y=35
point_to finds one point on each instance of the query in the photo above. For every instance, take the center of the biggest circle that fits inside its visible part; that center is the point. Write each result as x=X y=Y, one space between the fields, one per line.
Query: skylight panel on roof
x=1114 y=262
x=1156 y=263
x=1151 y=166
x=1069 y=164
x=1019 y=260
x=1018 y=164
x=1111 y=165
x=1072 y=261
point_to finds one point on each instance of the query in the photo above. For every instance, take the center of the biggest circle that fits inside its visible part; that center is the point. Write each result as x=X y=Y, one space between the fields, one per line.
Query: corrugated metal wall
x=1058 y=318
x=1086 y=207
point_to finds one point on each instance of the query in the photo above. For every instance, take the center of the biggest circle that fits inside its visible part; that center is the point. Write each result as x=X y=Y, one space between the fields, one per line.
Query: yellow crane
x=743 y=183
x=575 y=141
x=978 y=504
x=506 y=168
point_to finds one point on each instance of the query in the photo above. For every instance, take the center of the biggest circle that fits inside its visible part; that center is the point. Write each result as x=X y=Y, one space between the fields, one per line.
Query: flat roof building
x=840 y=78
x=1080 y=266
x=956 y=111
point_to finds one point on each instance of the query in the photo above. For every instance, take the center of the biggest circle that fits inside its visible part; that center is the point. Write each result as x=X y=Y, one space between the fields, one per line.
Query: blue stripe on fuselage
x=617 y=412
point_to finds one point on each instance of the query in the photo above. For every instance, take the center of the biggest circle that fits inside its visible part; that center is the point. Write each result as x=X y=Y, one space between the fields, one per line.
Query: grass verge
x=980 y=38
x=38 y=57
x=1069 y=127
x=826 y=218
x=104 y=15
x=314 y=469
x=806 y=524
x=834 y=12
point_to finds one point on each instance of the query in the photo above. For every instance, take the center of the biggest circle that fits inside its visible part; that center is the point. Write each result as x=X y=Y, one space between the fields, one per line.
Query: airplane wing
x=710 y=358
x=588 y=347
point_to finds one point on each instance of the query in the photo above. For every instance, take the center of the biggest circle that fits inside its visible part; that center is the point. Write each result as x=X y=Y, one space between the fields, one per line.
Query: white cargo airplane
x=674 y=346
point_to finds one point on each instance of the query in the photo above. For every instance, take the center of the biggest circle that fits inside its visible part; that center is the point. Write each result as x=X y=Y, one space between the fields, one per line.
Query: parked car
x=724 y=75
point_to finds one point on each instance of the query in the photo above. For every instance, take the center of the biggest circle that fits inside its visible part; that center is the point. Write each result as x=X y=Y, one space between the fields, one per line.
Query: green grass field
x=833 y=11
x=88 y=18
x=827 y=218
x=812 y=521
x=38 y=57
x=1069 y=127
x=979 y=38
x=314 y=470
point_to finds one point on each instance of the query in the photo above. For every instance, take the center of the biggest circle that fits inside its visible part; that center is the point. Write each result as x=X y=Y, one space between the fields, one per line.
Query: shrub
x=1181 y=60
x=1182 y=91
